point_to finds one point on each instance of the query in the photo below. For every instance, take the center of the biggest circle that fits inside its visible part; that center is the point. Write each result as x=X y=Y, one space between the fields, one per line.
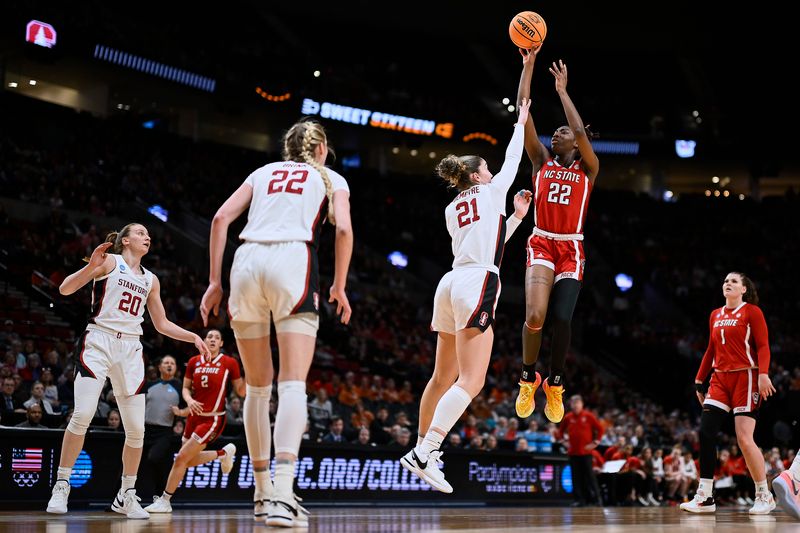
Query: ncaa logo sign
x=755 y=397
x=40 y=33
x=484 y=319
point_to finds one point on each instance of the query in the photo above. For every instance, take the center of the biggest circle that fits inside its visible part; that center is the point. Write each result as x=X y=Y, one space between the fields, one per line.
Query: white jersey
x=476 y=218
x=119 y=298
x=289 y=202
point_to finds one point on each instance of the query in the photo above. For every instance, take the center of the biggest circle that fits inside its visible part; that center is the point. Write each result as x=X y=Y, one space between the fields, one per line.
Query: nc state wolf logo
x=755 y=397
x=484 y=318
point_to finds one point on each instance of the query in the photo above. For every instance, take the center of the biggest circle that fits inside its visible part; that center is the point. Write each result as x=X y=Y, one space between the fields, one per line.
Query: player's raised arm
x=590 y=162
x=537 y=152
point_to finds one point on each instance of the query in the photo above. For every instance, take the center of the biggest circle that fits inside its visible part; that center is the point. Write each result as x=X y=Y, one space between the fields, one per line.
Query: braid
x=307 y=154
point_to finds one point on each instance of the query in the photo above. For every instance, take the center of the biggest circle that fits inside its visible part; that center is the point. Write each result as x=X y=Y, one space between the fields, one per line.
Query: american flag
x=26 y=460
x=546 y=473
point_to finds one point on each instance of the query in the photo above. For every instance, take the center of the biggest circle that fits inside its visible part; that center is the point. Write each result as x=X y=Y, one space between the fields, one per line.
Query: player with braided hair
x=275 y=272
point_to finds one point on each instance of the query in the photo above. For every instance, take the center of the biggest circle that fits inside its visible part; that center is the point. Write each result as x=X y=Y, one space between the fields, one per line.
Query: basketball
x=527 y=30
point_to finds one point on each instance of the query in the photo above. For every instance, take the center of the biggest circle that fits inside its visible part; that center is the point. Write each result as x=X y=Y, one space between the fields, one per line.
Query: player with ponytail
x=275 y=277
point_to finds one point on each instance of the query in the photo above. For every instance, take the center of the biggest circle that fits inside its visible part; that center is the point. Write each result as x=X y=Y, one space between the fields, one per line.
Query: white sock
x=284 y=480
x=794 y=469
x=761 y=487
x=420 y=438
x=706 y=487
x=290 y=421
x=449 y=409
x=263 y=484
x=166 y=496
x=128 y=482
x=256 y=422
x=432 y=441
x=64 y=474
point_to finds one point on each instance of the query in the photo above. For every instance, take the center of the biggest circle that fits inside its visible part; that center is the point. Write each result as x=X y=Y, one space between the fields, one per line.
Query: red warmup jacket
x=582 y=429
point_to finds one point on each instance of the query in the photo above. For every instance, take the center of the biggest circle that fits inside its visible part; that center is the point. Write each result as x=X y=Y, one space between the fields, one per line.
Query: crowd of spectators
x=634 y=355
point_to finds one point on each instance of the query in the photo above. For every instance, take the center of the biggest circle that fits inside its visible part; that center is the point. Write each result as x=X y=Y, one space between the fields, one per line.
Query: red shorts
x=564 y=258
x=204 y=429
x=737 y=391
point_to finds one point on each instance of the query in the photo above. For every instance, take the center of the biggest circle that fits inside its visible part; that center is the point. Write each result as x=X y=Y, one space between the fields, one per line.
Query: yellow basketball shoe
x=525 y=403
x=554 y=409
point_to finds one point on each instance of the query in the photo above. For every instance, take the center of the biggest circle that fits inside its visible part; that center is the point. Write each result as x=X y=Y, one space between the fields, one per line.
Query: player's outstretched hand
x=201 y=346
x=210 y=302
x=522 y=201
x=342 y=304
x=99 y=255
x=559 y=71
x=765 y=386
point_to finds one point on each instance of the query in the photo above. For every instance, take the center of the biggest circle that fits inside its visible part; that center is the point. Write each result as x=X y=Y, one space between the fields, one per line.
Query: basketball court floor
x=407 y=519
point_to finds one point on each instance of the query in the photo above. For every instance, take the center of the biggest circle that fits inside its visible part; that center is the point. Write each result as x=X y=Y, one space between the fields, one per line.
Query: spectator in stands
x=32 y=371
x=676 y=481
x=10 y=404
x=37 y=396
x=348 y=392
x=491 y=443
x=66 y=386
x=114 y=420
x=390 y=393
x=336 y=430
x=691 y=472
x=34 y=417
x=51 y=361
x=361 y=418
x=50 y=389
x=233 y=411
x=583 y=433
x=521 y=445
x=381 y=427
x=406 y=395
x=320 y=410
x=454 y=440
x=402 y=439
x=476 y=443
x=363 y=438
x=365 y=390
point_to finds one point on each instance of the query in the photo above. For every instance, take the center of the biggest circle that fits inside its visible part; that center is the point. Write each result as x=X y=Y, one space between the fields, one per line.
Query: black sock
x=556 y=379
x=528 y=373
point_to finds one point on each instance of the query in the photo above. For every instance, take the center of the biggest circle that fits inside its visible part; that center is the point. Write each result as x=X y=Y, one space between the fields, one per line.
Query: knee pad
x=134 y=437
x=711 y=421
x=79 y=422
x=290 y=422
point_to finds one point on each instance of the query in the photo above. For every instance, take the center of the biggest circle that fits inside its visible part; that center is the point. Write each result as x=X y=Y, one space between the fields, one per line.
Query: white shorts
x=281 y=279
x=465 y=298
x=105 y=354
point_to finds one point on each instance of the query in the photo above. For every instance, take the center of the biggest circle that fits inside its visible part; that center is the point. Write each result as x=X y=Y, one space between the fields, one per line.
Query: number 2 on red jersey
x=293 y=186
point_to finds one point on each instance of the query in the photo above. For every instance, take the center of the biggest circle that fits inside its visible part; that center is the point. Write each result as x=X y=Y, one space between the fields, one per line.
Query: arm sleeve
x=502 y=180
x=761 y=338
x=708 y=357
x=512 y=223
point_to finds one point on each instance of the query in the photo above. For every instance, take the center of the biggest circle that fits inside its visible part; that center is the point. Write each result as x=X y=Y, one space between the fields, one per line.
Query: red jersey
x=210 y=380
x=582 y=429
x=738 y=340
x=561 y=198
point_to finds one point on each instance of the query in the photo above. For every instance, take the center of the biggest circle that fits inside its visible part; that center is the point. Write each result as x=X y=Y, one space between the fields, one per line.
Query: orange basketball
x=527 y=30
